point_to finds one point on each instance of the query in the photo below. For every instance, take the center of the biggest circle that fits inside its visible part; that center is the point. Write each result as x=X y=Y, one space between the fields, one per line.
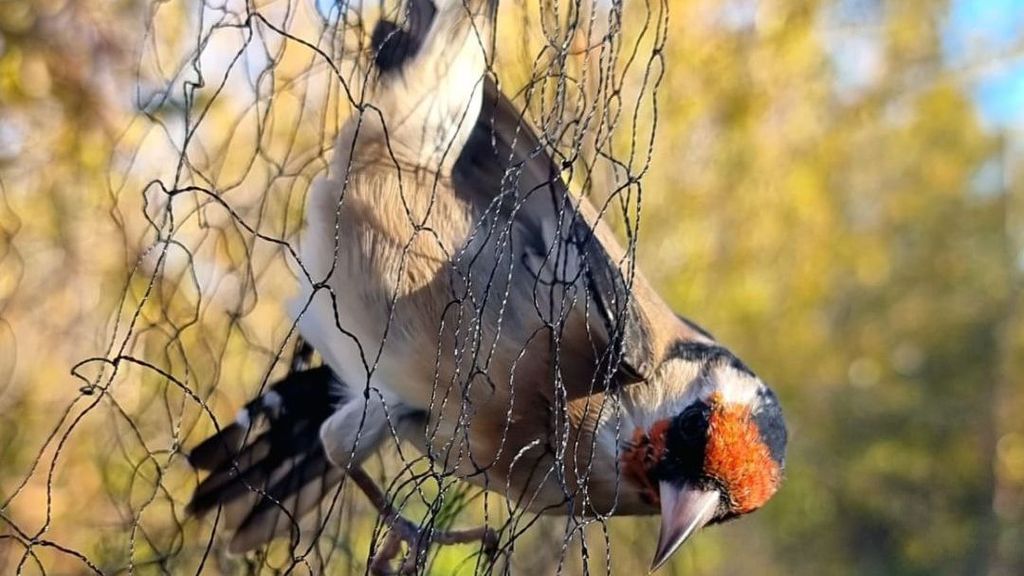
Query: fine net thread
x=238 y=105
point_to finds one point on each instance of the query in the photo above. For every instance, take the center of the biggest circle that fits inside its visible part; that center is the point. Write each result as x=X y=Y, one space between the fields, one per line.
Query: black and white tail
x=429 y=83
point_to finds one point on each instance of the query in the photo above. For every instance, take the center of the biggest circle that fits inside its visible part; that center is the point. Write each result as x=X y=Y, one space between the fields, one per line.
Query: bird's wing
x=561 y=250
x=268 y=468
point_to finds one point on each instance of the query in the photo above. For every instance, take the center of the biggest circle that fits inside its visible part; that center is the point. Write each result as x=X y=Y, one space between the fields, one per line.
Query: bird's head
x=708 y=444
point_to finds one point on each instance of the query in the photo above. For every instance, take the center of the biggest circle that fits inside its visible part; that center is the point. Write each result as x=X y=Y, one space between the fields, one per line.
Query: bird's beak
x=684 y=510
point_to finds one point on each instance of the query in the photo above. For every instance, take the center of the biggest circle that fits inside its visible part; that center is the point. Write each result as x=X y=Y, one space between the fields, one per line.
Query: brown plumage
x=469 y=301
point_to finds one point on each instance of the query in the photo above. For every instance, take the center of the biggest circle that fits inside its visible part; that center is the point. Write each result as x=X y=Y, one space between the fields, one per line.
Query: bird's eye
x=692 y=424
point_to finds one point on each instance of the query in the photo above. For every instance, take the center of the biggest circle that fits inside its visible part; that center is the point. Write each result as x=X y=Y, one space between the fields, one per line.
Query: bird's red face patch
x=644 y=453
x=735 y=457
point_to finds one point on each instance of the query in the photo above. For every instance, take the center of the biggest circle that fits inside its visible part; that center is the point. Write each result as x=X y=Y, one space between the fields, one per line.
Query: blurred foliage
x=858 y=242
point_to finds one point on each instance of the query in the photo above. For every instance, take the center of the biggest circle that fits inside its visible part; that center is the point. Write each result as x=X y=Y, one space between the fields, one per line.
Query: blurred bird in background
x=463 y=300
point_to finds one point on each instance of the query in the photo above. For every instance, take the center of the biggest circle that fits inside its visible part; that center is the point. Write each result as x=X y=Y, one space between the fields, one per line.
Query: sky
x=978 y=30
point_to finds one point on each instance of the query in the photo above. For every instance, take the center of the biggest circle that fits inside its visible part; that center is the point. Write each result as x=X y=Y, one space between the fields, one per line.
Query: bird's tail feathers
x=268 y=468
x=431 y=34
x=430 y=76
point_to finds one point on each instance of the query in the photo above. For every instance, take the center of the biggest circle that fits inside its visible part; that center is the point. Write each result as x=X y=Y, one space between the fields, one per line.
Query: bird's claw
x=417 y=540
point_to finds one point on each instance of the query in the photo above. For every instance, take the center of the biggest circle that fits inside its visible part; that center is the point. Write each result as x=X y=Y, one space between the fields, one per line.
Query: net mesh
x=238 y=106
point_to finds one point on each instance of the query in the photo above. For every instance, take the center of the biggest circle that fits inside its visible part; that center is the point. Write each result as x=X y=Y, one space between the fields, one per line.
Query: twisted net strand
x=239 y=104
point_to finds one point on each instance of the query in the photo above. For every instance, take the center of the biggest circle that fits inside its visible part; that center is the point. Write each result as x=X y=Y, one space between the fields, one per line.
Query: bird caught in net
x=466 y=303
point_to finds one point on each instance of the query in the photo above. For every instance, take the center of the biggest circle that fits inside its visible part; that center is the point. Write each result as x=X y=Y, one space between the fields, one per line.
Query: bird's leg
x=403 y=530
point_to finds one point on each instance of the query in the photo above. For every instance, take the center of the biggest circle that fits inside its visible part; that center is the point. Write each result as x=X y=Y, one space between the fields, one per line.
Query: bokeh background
x=835 y=189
